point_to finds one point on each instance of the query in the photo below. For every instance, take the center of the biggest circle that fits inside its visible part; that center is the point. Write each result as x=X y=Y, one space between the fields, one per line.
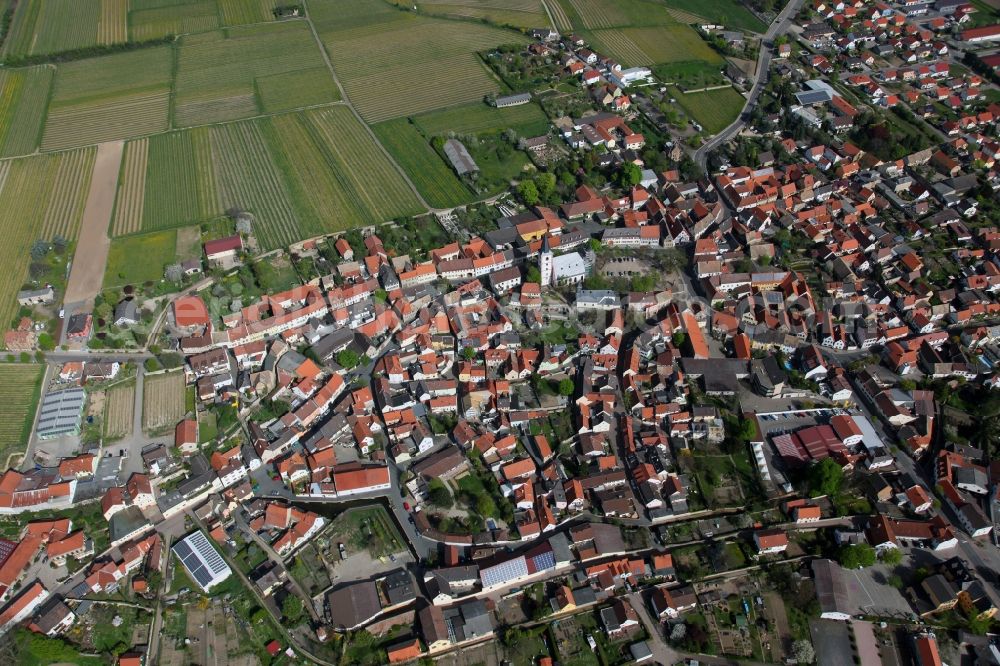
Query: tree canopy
x=825 y=478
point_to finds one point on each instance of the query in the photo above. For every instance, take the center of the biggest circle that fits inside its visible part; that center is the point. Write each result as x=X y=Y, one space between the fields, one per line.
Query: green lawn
x=690 y=73
x=713 y=109
x=208 y=428
x=526 y=120
x=140 y=258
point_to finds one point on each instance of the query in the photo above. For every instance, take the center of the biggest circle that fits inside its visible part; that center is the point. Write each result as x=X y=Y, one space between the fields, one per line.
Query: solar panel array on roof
x=60 y=413
x=202 y=560
x=501 y=573
x=810 y=97
x=541 y=562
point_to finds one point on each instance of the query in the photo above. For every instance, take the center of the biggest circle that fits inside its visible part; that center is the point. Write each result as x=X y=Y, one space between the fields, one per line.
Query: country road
x=766 y=54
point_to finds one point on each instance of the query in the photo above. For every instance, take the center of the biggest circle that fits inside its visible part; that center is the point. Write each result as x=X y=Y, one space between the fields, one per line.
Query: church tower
x=545 y=261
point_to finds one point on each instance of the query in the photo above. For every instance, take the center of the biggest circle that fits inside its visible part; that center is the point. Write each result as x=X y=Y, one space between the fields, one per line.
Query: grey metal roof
x=460 y=158
x=60 y=412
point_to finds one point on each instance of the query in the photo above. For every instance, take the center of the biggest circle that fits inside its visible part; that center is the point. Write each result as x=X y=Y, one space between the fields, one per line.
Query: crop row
x=41 y=194
x=23 y=96
x=131 y=188
x=19 y=389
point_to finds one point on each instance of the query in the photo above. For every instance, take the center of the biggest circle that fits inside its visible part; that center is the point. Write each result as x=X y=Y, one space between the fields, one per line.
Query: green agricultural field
x=112 y=97
x=40 y=197
x=243 y=72
x=140 y=258
x=435 y=180
x=180 y=180
x=249 y=178
x=637 y=32
x=338 y=171
x=526 y=120
x=394 y=63
x=713 y=109
x=730 y=13
x=513 y=13
x=300 y=174
x=152 y=19
x=24 y=95
x=20 y=384
x=49 y=26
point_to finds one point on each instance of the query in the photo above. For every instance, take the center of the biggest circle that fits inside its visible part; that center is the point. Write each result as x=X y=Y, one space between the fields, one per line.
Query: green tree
x=348 y=358
x=825 y=478
x=892 y=557
x=485 y=506
x=468 y=353
x=545 y=183
x=438 y=494
x=629 y=175
x=292 y=609
x=528 y=192
x=856 y=556
x=533 y=274
x=104 y=311
x=45 y=342
x=566 y=387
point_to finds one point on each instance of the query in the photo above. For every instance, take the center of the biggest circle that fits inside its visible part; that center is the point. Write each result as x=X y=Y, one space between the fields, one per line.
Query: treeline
x=84 y=52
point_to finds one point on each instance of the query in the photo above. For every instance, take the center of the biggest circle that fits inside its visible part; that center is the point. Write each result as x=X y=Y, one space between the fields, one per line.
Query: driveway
x=662 y=652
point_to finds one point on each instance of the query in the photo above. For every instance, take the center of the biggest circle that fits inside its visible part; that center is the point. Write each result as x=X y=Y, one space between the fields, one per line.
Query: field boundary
x=91 y=257
x=347 y=102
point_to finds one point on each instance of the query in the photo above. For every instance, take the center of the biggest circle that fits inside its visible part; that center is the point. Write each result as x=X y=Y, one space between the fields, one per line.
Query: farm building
x=460 y=158
x=987 y=33
x=35 y=296
x=60 y=413
x=223 y=249
x=203 y=563
x=512 y=100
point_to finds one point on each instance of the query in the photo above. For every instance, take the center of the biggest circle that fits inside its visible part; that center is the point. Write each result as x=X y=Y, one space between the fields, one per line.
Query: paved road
x=767 y=45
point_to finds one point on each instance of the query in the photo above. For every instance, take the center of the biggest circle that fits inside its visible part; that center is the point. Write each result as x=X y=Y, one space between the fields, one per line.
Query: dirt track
x=87 y=274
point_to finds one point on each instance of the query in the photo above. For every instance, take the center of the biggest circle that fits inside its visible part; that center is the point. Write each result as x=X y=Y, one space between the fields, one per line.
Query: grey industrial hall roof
x=60 y=412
